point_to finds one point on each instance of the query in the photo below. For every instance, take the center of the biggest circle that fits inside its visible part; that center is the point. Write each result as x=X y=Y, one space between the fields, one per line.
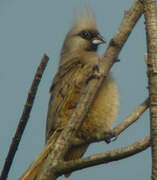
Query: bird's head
x=83 y=36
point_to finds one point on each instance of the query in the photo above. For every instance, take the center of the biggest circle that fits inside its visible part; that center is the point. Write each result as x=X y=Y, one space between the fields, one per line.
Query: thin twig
x=131 y=118
x=24 y=117
x=118 y=129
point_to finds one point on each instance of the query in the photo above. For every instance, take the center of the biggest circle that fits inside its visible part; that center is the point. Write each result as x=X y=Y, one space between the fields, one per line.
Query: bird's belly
x=103 y=111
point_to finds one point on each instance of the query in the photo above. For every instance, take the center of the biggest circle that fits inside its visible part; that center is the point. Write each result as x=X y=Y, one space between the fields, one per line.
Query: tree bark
x=151 y=32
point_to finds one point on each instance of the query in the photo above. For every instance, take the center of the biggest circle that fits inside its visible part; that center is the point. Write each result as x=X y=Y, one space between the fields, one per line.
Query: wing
x=65 y=91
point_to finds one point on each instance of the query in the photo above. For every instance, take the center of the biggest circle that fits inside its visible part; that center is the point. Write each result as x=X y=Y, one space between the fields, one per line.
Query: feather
x=77 y=59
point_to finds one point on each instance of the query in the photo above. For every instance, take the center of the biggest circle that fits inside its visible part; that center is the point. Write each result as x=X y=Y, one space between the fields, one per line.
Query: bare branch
x=102 y=158
x=30 y=173
x=118 y=129
x=150 y=13
x=24 y=118
x=88 y=93
x=131 y=118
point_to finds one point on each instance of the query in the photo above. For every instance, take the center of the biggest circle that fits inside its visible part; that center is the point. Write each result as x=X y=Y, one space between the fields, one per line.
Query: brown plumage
x=78 y=57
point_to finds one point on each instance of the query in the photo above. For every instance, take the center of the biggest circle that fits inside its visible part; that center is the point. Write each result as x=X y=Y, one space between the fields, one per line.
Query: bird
x=78 y=59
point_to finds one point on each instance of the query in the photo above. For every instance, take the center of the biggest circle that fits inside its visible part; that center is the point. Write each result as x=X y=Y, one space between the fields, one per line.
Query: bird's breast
x=103 y=110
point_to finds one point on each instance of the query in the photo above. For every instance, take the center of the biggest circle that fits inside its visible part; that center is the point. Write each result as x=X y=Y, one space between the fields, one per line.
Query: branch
x=31 y=172
x=88 y=92
x=131 y=118
x=150 y=14
x=24 y=118
x=118 y=129
x=102 y=158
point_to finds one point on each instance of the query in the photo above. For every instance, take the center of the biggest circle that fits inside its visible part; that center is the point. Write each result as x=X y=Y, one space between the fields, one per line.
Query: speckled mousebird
x=77 y=59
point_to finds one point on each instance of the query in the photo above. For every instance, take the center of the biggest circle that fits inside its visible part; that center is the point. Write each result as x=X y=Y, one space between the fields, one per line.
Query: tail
x=32 y=172
x=75 y=153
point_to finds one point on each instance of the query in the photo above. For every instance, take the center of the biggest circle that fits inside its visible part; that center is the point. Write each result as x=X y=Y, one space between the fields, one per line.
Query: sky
x=34 y=27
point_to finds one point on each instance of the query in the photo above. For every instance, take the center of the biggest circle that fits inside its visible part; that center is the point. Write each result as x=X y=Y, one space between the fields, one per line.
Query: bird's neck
x=83 y=56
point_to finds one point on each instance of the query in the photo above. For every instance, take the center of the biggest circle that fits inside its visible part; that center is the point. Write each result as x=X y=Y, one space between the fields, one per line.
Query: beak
x=98 y=40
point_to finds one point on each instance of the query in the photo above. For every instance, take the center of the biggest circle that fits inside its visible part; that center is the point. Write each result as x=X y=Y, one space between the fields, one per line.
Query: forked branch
x=88 y=92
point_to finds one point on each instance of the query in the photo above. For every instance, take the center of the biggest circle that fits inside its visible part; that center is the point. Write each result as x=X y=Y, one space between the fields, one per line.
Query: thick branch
x=118 y=129
x=24 y=118
x=151 y=31
x=102 y=158
x=89 y=91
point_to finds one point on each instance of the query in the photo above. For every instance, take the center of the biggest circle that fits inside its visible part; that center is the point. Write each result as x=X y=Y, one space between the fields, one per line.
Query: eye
x=86 y=35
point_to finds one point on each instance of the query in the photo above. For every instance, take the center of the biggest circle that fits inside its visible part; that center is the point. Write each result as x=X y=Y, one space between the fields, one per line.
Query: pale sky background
x=28 y=29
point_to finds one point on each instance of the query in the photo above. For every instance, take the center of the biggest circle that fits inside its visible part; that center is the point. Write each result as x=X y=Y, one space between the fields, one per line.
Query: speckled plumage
x=76 y=65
